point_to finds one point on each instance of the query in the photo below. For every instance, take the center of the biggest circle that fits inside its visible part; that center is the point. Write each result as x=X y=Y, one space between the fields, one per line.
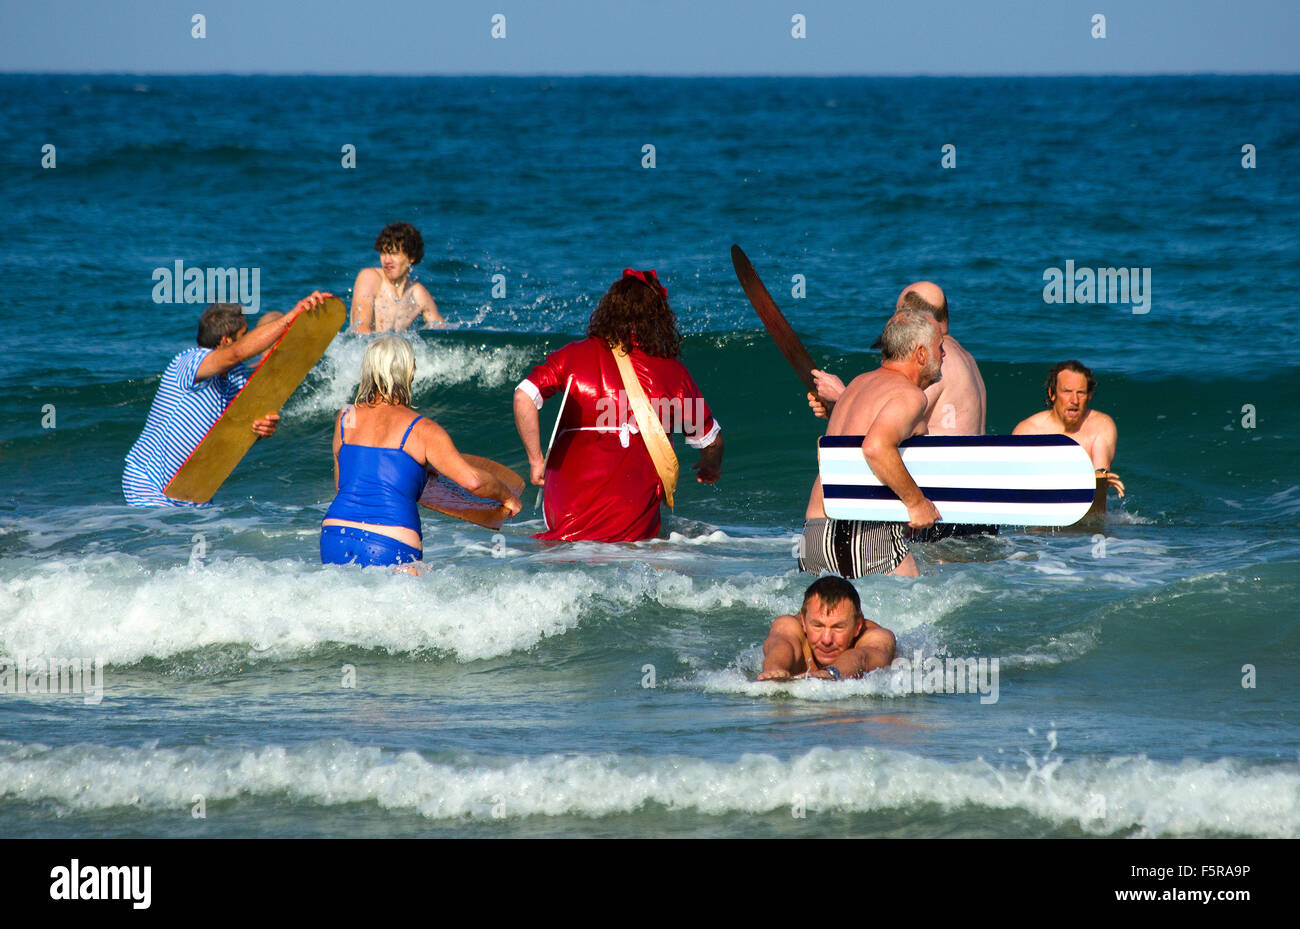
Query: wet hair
x=905 y=330
x=913 y=301
x=401 y=237
x=1075 y=366
x=632 y=309
x=218 y=321
x=832 y=591
x=387 y=372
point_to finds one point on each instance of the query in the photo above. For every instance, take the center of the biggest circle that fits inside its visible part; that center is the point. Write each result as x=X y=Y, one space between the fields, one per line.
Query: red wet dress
x=601 y=484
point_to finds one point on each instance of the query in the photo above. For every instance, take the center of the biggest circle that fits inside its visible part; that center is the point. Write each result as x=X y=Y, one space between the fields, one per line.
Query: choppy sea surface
x=1149 y=669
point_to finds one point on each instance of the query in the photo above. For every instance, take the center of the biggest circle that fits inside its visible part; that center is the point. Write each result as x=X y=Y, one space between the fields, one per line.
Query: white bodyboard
x=1006 y=480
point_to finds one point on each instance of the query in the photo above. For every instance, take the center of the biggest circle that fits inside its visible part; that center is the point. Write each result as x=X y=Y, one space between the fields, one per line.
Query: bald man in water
x=956 y=404
x=885 y=406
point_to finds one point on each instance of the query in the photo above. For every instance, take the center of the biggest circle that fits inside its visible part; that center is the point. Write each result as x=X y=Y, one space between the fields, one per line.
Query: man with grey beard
x=956 y=404
x=885 y=406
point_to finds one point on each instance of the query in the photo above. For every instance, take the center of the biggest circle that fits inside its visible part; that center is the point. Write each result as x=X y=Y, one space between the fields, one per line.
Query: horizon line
x=650 y=74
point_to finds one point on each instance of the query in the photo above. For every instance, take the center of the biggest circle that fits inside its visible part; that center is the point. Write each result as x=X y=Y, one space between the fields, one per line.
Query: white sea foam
x=740 y=680
x=333 y=383
x=1130 y=795
x=116 y=608
x=720 y=537
x=1055 y=568
x=112 y=607
x=1127 y=518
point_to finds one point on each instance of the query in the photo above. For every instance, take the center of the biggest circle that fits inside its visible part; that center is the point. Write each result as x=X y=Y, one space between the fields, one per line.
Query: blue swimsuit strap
x=402 y=446
x=405 y=435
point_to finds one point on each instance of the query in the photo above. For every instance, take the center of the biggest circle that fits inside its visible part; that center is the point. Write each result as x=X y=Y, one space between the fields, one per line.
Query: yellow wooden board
x=445 y=496
x=274 y=381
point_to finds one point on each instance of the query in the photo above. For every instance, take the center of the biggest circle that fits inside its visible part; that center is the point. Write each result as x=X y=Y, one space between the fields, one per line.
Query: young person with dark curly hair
x=612 y=462
x=385 y=298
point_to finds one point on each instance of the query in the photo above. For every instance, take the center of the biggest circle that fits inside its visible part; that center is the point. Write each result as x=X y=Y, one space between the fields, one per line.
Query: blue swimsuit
x=380 y=486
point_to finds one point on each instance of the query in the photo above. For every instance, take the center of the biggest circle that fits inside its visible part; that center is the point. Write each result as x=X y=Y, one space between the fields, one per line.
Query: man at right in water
x=1069 y=390
x=885 y=406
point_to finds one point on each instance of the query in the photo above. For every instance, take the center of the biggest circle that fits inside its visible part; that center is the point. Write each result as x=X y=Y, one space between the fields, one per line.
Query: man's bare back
x=858 y=409
x=957 y=403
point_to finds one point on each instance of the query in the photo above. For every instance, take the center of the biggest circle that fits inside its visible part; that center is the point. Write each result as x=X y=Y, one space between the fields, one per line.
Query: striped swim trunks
x=852 y=548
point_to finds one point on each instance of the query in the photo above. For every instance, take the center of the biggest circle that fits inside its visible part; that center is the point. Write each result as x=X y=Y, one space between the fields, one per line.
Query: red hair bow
x=649 y=278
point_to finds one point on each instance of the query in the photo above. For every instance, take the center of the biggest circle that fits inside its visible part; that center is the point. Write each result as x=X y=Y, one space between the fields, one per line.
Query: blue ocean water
x=1148 y=678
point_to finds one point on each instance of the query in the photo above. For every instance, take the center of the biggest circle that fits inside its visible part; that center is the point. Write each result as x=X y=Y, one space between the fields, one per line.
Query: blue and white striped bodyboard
x=1008 y=480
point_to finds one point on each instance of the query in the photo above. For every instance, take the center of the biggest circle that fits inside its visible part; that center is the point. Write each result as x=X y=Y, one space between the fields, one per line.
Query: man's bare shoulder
x=885 y=385
x=367 y=279
x=877 y=637
x=963 y=363
x=951 y=344
x=786 y=626
x=869 y=394
x=912 y=397
x=1039 y=424
x=861 y=383
x=1098 y=424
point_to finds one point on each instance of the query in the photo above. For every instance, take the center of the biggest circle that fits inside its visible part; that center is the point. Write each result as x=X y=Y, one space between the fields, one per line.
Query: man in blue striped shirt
x=196 y=388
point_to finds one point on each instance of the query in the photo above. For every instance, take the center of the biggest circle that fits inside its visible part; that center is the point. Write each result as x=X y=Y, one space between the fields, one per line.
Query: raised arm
x=363 y=300
x=829 y=389
x=897 y=420
x=253 y=343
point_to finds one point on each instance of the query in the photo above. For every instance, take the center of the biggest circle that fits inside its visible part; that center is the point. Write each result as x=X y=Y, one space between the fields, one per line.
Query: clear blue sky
x=687 y=37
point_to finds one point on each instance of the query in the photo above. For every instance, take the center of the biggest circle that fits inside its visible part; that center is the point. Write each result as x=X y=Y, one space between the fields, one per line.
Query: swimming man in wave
x=828 y=639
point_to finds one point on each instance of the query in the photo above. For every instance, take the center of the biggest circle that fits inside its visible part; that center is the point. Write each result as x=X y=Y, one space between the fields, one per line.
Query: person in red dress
x=601 y=481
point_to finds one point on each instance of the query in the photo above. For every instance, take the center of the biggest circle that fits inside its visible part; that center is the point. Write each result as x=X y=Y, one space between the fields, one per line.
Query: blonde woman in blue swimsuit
x=382 y=452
